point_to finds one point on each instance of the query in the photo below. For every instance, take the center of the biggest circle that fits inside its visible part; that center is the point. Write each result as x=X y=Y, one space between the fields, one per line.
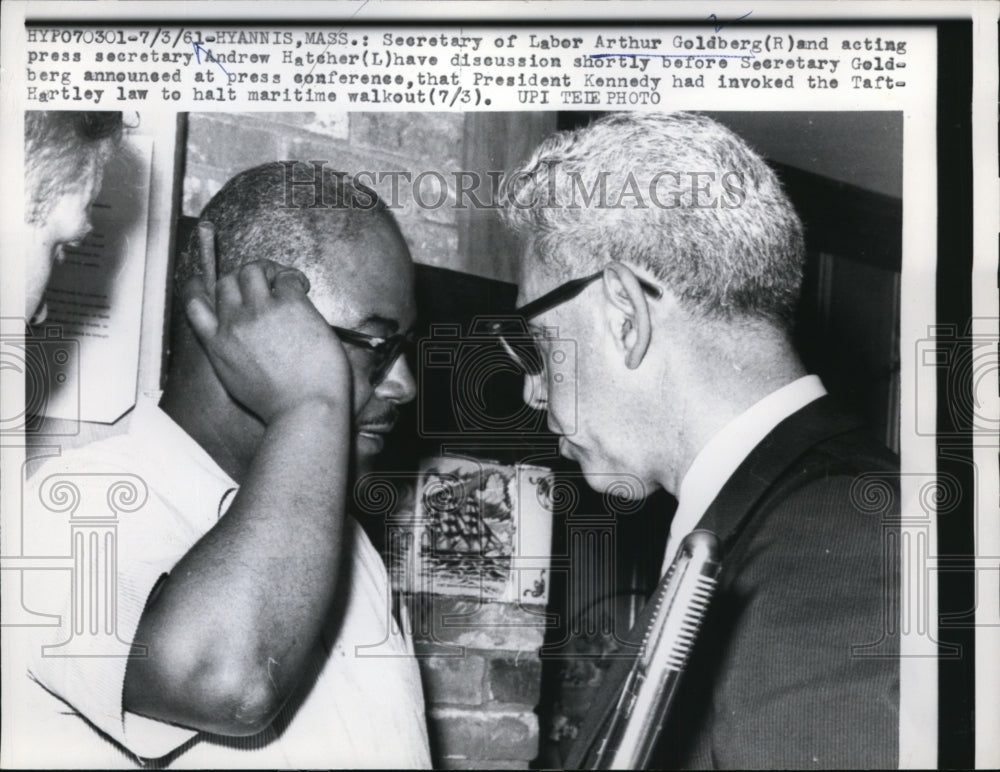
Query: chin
x=366 y=450
x=614 y=480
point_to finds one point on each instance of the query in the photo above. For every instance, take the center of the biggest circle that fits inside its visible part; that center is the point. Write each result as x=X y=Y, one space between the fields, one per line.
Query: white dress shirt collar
x=727 y=449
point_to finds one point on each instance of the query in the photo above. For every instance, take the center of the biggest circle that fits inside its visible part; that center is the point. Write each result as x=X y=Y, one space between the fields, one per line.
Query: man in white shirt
x=665 y=250
x=255 y=615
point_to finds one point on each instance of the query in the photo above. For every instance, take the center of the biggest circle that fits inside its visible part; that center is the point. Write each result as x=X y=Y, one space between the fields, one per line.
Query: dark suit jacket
x=796 y=665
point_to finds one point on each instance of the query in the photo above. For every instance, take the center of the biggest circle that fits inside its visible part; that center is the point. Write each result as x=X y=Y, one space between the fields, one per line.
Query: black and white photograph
x=492 y=388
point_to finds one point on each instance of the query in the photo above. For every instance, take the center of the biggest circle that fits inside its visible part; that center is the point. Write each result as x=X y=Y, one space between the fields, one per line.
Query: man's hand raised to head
x=270 y=347
x=255 y=590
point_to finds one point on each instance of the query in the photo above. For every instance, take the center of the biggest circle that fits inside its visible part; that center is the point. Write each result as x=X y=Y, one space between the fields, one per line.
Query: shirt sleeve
x=117 y=539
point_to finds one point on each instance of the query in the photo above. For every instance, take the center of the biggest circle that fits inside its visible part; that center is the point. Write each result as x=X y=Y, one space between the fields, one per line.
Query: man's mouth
x=375 y=429
x=375 y=433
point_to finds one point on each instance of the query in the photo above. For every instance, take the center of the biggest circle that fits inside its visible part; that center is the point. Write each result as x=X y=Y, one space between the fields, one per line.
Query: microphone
x=682 y=601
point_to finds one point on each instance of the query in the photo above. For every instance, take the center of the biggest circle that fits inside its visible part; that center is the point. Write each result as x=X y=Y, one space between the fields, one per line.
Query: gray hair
x=285 y=211
x=677 y=194
x=63 y=148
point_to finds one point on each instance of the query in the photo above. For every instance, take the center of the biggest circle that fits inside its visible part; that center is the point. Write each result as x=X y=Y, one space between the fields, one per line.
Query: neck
x=198 y=403
x=718 y=389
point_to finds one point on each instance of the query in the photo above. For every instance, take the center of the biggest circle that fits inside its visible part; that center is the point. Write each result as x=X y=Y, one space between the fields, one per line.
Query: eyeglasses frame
x=393 y=344
x=516 y=324
x=569 y=290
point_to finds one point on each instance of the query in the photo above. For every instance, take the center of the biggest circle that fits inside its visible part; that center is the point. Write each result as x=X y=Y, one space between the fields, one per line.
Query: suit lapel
x=729 y=513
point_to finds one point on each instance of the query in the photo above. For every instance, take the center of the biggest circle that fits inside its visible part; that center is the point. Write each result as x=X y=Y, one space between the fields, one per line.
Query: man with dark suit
x=667 y=251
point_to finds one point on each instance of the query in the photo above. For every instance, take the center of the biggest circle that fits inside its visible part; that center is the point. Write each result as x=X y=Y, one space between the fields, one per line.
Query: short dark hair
x=62 y=148
x=284 y=211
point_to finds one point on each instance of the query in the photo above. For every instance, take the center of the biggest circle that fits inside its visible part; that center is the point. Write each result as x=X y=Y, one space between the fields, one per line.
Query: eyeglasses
x=514 y=335
x=384 y=351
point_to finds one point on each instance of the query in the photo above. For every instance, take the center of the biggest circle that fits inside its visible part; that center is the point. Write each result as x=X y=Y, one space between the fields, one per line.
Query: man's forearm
x=231 y=628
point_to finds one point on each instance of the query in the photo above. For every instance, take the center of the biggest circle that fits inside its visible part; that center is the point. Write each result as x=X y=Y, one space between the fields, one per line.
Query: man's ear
x=631 y=323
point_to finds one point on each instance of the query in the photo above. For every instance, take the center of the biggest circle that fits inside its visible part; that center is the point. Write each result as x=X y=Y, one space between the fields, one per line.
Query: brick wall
x=219 y=145
x=470 y=556
x=482 y=680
